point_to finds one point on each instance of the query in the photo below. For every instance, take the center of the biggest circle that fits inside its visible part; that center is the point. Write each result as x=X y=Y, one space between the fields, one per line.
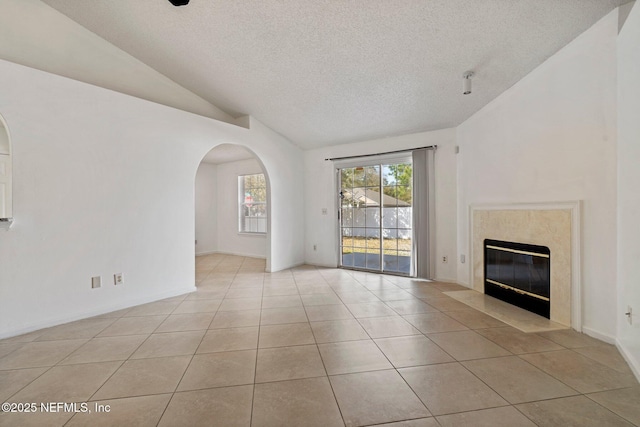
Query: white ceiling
x=329 y=72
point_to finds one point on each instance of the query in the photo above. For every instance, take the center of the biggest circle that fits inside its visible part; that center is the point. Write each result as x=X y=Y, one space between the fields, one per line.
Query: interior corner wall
x=552 y=137
x=628 y=194
x=206 y=209
x=230 y=241
x=320 y=190
x=104 y=184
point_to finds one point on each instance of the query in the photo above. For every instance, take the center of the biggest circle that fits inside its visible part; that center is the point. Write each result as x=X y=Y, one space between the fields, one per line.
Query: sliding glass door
x=376 y=213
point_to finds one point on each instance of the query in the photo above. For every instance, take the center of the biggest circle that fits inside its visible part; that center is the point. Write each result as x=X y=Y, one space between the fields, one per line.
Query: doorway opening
x=376 y=214
x=232 y=205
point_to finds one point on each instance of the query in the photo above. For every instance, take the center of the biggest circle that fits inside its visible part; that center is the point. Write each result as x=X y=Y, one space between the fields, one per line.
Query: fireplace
x=519 y=274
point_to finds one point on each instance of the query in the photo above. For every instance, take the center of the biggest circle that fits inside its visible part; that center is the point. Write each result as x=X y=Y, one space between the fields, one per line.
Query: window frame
x=243 y=206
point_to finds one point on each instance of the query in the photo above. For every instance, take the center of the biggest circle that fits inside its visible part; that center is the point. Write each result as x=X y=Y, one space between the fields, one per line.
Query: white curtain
x=423 y=265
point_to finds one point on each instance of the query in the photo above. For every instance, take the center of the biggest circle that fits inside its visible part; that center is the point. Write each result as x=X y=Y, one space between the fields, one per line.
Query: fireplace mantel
x=553 y=224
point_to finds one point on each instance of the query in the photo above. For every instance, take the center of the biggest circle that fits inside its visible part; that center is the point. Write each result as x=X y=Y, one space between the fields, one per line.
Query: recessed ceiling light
x=179 y=2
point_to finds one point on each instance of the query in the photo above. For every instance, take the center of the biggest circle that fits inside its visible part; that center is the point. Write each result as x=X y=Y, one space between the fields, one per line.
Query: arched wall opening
x=227 y=221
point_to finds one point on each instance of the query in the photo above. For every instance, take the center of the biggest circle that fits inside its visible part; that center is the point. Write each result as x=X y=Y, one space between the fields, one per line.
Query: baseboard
x=60 y=320
x=319 y=264
x=634 y=363
x=455 y=282
x=599 y=335
x=206 y=253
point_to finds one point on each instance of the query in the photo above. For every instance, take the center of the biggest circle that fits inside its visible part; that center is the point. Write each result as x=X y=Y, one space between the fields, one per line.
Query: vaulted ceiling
x=336 y=71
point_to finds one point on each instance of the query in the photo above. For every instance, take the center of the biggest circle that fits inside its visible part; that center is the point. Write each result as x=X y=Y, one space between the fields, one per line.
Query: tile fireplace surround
x=555 y=225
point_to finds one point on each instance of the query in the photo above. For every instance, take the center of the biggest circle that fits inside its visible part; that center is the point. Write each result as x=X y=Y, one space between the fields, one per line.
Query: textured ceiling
x=335 y=71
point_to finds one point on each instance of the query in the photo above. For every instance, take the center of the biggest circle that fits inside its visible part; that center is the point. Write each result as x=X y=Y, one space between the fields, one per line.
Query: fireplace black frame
x=538 y=304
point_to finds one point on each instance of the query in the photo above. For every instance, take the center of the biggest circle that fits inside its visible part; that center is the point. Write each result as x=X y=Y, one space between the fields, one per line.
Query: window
x=252 y=195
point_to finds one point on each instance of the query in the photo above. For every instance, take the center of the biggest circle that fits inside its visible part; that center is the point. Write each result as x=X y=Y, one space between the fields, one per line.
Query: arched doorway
x=232 y=205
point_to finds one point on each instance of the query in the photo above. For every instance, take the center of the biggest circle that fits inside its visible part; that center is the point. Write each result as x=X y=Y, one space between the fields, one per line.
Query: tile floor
x=313 y=347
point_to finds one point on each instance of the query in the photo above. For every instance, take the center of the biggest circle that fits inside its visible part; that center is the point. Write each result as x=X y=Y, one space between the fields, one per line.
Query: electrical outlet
x=463 y=259
x=96 y=282
x=315 y=247
x=118 y=279
x=444 y=259
x=324 y=211
x=629 y=315
x=196 y=242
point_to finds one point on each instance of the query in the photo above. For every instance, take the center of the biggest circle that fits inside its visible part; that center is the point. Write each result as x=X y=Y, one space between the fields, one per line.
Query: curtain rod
x=428 y=147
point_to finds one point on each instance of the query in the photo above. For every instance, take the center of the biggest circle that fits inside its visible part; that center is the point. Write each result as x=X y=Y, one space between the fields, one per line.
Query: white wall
x=320 y=190
x=206 y=209
x=230 y=241
x=552 y=137
x=628 y=194
x=103 y=184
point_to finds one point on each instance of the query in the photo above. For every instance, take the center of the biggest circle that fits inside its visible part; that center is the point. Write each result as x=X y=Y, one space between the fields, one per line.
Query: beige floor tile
x=237 y=304
x=425 y=291
x=39 y=354
x=12 y=381
x=370 y=309
x=352 y=356
x=229 y=339
x=359 y=297
x=37 y=419
x=133 y=326
x=9 y=348
x=579 y=372
x=434 y=322
x=376 y=397
x=422 y=422
x=473 y=319
x=288 y=363
x=224 y=407
x=207 y=293
x=220 y=370
x=143 y=377
x=445 y=303
x=73 y=383
x=504 y=416
x=449 y=388
x=105 y=349
x=88 y=328
x=383 y=327
x=153 y=309
x=307 y=402
x=235 y=319
x=279 y=316
x=467 y=345
x=577 y=411
x=516 y=380
x=277 y=290
x=338 y=330
x=518 y=342
x=412 y=351
x=244 y=292
x=284 y=301
x=328 y=312
x=141 y=411
x=198 y=306
x=624 y=402
x=413 y=306
x=571 y=339
x=306 y=289
x=169 y=344
x=320 y=299
x=394 y=294
x=608 y=355
x=285 y=335
x=186 y=322
x=24 y=338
